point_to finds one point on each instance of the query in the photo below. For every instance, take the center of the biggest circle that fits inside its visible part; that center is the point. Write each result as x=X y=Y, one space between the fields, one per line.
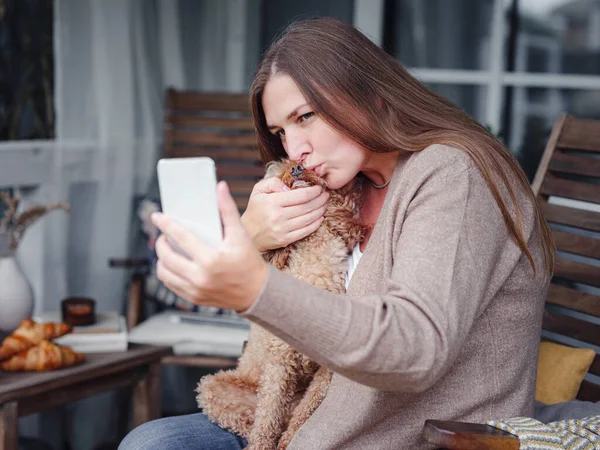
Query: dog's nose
x=297 y=171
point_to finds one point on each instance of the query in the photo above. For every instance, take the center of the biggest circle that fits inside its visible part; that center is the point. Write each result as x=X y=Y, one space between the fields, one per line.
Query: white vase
x=16 y=295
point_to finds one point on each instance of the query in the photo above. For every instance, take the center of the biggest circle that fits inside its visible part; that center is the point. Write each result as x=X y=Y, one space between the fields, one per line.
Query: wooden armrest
x=468 y=436
x=129 y=262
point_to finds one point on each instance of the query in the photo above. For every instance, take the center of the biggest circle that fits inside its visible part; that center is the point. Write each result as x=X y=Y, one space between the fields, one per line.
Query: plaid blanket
x=571 y=434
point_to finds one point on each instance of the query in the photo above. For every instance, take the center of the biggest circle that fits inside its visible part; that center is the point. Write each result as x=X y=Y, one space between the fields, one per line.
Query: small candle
x=78 y=311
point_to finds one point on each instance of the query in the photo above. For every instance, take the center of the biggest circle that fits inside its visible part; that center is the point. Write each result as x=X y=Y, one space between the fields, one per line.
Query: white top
x=353 y=260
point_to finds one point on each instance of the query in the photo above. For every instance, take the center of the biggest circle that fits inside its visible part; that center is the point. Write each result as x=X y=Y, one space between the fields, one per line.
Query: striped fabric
x=571 y=434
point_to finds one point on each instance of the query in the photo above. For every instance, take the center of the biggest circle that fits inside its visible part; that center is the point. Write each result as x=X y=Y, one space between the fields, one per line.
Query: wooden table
x=204 y=361
x=24 y=393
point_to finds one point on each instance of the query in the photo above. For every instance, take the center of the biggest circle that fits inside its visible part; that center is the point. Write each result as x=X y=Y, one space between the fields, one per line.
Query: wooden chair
x=218 y=126
x=568 y=170
x=203 y=124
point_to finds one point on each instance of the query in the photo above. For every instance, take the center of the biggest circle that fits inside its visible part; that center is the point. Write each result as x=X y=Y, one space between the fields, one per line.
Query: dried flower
x=12 y=203
x=17 y=224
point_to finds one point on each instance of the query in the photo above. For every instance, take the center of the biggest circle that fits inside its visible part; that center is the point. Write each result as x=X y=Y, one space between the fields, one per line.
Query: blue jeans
x=190 y=432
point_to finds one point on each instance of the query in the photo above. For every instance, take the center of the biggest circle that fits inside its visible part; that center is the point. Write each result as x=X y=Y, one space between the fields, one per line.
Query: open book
x=108 y=334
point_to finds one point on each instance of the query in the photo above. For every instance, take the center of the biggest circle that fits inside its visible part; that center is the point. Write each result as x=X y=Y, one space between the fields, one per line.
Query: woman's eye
x=280 y=134
x=305 y=117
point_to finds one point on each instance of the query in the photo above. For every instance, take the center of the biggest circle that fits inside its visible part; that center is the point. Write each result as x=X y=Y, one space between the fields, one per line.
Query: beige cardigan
x=441 y=320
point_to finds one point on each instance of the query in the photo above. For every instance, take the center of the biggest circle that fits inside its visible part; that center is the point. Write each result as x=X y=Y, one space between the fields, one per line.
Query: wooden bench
x=568 y=170
x=197 y=124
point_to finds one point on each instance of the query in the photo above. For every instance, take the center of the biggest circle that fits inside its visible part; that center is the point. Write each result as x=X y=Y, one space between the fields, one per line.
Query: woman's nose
x=297 y=147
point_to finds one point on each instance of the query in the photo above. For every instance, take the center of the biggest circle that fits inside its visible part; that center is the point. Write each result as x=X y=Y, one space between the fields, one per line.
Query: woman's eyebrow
x=289 y=116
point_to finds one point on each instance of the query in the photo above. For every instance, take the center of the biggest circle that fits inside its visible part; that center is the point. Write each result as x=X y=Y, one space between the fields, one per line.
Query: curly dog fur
x=274 y=389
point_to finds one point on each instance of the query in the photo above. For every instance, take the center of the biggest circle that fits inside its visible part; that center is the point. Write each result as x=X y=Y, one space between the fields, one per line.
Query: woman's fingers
x=183 y=238
x=171 y=259
x=316 y=203
x=267 y=219
x=230 y=214
x=173 y=281
x=304 y=220
x=269 y=186
x=298 y=234
x=297 y=196
x=288 y=224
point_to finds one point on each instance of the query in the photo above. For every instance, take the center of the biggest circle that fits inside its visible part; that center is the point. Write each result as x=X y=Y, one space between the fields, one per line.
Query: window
x=26 y=70
x=277 y=14
x=513 y=65
x=441 y=34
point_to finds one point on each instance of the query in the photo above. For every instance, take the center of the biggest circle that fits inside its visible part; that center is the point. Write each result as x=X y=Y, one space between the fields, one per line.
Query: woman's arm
x=451 y=254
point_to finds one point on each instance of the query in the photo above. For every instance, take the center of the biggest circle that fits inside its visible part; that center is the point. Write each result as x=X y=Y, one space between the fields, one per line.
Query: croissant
x=30 y=333
x=44 y=356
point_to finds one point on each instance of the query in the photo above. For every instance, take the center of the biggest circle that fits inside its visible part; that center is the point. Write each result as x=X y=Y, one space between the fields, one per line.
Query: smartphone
x=188 y=195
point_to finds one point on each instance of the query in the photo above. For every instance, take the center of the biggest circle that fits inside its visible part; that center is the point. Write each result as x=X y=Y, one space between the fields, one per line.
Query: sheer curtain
x=113 y=61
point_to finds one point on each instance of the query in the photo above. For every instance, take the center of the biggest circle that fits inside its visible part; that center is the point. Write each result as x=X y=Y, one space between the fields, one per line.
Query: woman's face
x=306 y=137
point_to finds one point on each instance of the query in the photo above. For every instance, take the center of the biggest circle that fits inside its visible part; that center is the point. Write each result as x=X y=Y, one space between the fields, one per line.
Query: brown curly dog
x=274 y=389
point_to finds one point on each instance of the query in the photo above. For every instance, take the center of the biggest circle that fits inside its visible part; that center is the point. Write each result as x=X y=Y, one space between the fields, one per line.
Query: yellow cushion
x=560 y=372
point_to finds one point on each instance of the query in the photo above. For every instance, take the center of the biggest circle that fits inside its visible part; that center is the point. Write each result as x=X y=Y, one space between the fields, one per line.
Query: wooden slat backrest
x=218 y=126
x=570 y=169
x=567 y=170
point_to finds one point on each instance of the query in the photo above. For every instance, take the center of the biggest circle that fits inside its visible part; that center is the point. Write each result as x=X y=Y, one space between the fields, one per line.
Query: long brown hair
x=367 y=95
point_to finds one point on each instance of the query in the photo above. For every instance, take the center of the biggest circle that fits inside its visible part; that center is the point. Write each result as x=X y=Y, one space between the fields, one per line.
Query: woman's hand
x=230 y=276
x=276 y=216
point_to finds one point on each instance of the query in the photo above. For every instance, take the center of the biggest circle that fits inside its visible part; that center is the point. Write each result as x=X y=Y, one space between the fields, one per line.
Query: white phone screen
x=188 y=194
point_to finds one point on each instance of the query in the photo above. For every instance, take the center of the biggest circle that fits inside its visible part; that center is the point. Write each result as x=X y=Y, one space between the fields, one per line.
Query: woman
x=442 y=315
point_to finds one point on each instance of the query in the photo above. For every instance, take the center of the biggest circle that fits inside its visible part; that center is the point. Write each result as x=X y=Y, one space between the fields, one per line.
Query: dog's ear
x=276 y=168
x=352 y=231
x=355 y=233
x=355 y=198
x=343 y=214
x=278 y=257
